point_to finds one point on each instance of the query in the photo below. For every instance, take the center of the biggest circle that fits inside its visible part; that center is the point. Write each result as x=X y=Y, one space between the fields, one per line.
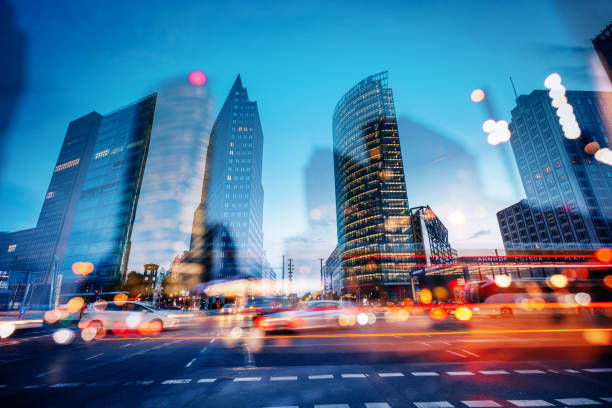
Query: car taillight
x=295 y=322
x=264 y=323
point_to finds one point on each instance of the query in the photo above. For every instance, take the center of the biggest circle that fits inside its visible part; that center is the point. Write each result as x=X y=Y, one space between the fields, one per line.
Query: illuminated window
x=50 y=194
x=66 y=165
x=12 y=248
x=101 y=154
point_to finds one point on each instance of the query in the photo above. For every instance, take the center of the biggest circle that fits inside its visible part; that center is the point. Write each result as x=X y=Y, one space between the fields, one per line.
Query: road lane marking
x=212 y=341
x=181 y=381
x=33 y=386
x=320 y=377
x=434 y=404
x=578 y=401
x=530 y=403
x=481 y=404
x=190 y=363
x=147 y=382
x=424 y=373
x=457 y=354
x=470 y=353
x=391 y=374
x=607 y=399
x=289 y=378
x=530 y=371
x=92 y=357
x=333 y=406
x=101 y=384
x=377 y=405
x=353 y=375
x=64 y=385
x=572 y=371
x=553 y=371
x=48 y=372
x=204 y=349
x=285 y=406
x=125 y=345
x=245 y=379
x=493 y=372
x=459 y=373
x=598 y=370
x=207 y=380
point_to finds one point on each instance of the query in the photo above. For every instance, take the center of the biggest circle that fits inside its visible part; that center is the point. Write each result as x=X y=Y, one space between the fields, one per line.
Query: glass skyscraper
x=568 y=193
x=373 y=221
x=227 y=237
x=105 y=213
x=173 y=175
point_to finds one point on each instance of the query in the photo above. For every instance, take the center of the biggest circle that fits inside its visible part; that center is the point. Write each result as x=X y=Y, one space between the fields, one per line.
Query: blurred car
x=122 y=316
x=308 y=315
x=229 y=308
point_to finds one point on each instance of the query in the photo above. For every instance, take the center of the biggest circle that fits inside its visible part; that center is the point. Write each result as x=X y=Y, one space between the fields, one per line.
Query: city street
x=494 y=363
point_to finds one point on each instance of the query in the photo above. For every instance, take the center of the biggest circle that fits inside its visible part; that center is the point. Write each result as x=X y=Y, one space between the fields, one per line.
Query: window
x=11 y=248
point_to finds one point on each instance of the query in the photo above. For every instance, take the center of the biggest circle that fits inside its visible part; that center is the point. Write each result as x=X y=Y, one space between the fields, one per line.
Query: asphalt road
x=495 y=363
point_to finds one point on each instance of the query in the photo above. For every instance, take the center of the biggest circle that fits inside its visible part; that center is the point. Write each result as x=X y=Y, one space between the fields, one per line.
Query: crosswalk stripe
x=572 y=371
x=320 y=377
x=434 y=404
x=289 y=378
x=206 y=380
x=353 y=375
x=181 y=381
x=598 y=370
x=147 y=382
x=459 y=373
x=377 y=405
x=333 y=406
x=530 y=371
x=246 y=379
x=493 y=372
x=285 y=406
x=578 y=401
x=424 y=373
x=481 y=404
x=391 y=374
x=530 y=403
x=33 y=386
x=64 y=385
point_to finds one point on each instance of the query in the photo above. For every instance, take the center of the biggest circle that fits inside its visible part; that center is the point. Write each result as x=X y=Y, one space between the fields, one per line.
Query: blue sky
x=296 y=59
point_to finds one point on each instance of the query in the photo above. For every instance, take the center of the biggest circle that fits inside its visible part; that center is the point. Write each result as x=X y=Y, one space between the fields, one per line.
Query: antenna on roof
x=514 y=89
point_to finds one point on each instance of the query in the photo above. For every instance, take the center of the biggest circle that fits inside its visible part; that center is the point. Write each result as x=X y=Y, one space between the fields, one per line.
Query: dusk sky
x=296 y=60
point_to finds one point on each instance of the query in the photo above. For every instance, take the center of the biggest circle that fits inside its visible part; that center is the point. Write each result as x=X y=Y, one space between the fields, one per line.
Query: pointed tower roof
x=237 y=84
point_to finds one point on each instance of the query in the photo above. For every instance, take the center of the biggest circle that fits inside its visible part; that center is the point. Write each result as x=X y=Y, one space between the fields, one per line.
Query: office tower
x=430 y=237
x=173 y=175
x=32 y=257
x=371 y=203
x=603 y=47
x=568 y=192
x=227 y=237
x=104 y=217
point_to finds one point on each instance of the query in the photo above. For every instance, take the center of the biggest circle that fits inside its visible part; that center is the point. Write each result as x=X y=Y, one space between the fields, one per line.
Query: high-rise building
x=430 y=237
x=31 y=257
x=104 y=216
x=569 y=192
x=227 y=236
x=603 y=47
x=373 y=222
x=172 y=181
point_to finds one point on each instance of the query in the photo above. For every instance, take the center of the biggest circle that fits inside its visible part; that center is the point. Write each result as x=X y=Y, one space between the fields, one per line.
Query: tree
x=134 y=284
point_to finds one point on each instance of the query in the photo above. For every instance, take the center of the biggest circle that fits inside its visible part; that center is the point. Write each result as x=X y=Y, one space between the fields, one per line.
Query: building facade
x=373 y=223
x=603 y=47
x=430 y=238
x=568 y=193
x=227 y=236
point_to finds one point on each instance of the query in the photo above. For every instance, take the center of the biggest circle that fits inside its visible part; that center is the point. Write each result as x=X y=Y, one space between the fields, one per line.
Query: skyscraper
x=603 y=47
x=104 y=217
x=569 y=193
x=430 y=237
x=227 y=237
x=371 y=202
x=173 y=175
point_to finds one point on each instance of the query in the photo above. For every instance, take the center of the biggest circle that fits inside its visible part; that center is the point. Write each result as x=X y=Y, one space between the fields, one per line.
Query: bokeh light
x=438 y=314
x=608 y=281
x=197 y=78
x=440 y=293
x=133 y=320
x=477 y=95
x=89 y=333
x=591 y=148
x=63 y=336
x=583 y=299
x=6 y=329
x=82 y=268
x=52 y=316
x=425 y=296
x=457 y=218
x=463 y=313
x=558 y=281
x=565 y=111
x=75 y=304
x=120 y=299
x=604 y=255
x=503 y=281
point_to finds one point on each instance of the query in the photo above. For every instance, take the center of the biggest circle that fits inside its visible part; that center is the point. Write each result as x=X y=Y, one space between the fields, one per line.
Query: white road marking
x=244 y=379
x=427 y=344
x=424 y=373
x=212 y=341
x=391 y=374
x=434 y=404
x=481 y=404
x=578 y=401
x=148 y=382
x=530 y=403
x=320 y=377
x=125 y=345
x=572 y=371
x=289 y=378
x=530 y=371
x=64 y=385
x=459 y=373
x=206 y=380
x=33 y=386
x=204 y=349
x=493 y=372
x=190 y=363
x=553 y=371
x=470 y=353
x=181 y=381
x=285 y=406
x=607 y=399
x=377 y=405
x=48 y=372
x=92 y=357
x=353 y=375
x=446 y=342
x=333 y=406
x=598 y=370
x=457 y=354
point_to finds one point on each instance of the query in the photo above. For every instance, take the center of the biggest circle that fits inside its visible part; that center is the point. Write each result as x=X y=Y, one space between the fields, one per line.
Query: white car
x=308 y=315
x=126 y=316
